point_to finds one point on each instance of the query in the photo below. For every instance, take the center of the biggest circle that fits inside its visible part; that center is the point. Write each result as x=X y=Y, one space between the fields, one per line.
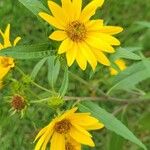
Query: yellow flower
x=82 y=39
x=70 y=125
x=71 y=144
x=6 y=63
x=121 y=64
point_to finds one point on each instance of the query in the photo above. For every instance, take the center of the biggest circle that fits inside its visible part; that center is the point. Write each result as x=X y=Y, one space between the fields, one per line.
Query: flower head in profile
x=120 y=64
x=83 y=40
x=67 y=131
x=6 y=63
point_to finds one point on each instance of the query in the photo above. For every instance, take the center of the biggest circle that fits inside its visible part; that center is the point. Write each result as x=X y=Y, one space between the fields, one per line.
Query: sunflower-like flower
x=6 y=63
x=83 y=40
x=121 y=65
x=68 y=130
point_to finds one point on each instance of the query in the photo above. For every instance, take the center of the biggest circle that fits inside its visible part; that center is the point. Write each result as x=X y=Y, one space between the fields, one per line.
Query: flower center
x=63 y=126
x=5 y=62
x=76 y=31
x=69 y=146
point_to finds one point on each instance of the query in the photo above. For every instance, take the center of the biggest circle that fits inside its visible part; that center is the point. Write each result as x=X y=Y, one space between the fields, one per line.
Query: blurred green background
x=18 y=134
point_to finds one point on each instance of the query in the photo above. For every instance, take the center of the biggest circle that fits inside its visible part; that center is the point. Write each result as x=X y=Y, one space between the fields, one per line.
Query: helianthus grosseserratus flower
x=69 y=129
x=121 y=65
x=6 y=63
x=83 y=40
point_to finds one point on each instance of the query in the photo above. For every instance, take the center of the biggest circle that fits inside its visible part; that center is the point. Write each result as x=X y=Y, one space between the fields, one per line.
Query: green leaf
x=115 y=141
x=65 y=83
x=133 y=75
x=53 y=70
x=28 y=51
x=37 y=68
x=35 y=6
x=125 y=53
x=110 y=122
x=144 y=24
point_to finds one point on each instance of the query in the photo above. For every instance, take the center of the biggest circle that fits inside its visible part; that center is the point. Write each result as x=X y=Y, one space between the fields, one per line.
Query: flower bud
x=18 y=103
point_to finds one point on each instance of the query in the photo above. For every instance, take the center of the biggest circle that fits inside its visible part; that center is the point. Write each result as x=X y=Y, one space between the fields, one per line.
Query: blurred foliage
x=19 y=133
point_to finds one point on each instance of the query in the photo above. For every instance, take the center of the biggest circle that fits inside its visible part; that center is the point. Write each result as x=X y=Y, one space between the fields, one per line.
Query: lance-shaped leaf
x=110 y=122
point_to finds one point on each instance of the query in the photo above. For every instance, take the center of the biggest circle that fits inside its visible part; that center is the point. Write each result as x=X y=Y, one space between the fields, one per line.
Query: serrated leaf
x=65 y=83
x=28 y=51
x=125 y=53
x=35 y=6
x=110 y=122
x=37 y=68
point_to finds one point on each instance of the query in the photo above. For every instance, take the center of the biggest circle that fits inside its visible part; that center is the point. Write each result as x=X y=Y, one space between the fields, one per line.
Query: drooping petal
x=58 y=13
x=71 y=54
x=101 y=58
x=99 y=44
x=17 y=39
x=51 y=20
x=65 y=46
x=80 y=137
x=111 y=30
x=57 y=142
x=81 y=129
x=81 y=60
x=77 y=6
x=90 y=57
x=45 y=135
x=90 y=10
x=58 y=35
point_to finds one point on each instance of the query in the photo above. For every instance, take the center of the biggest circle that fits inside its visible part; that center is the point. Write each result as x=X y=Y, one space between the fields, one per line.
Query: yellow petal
x=80 y=58
x=90 y=57
x=99 y=44
x=57 y=142
x=96 y=126
x=58 y=13
x=68 y=113
x=90 y=10
x=80 y=137
x=51 y=20
x=101 y=58
x=6 y=37
x=1 y=46
x=41 y=133
x=71 y=54
x=65 y=46
x=58 y=35
x=77 y=5
x=68 y=9
x=82 y=130
x=45 y=133
x=83 y=119
x=105 y=37
x=17 y=39
x=111 y=30
x=94 y=25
